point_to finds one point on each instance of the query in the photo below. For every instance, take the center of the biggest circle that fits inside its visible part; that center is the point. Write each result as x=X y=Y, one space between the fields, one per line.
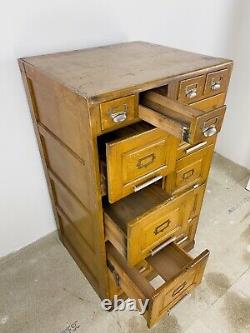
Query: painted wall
x=31 y=28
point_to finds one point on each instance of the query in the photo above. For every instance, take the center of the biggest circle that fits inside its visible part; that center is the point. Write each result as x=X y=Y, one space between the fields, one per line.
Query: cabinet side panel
x=61 y=121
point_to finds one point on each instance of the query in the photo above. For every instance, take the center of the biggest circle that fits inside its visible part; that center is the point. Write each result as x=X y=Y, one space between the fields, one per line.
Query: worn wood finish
x=62 y=124
x=87 y=111
x=105 y=73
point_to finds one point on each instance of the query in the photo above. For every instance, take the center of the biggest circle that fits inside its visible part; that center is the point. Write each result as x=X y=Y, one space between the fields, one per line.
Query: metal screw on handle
x=192 y=93
x=118 y=117
x=216 y=86
x=210 y=131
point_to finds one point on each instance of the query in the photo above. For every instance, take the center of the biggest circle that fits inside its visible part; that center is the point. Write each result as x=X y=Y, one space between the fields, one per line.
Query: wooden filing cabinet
x=126 y=134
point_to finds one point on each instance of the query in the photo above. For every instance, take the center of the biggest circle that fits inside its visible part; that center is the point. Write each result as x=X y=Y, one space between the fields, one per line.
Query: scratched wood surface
x=102 y=70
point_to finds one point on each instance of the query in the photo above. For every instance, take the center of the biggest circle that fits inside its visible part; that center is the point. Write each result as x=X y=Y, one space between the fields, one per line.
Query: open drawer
x=135 y=157
x=176 y=273
x=141 y=223
x=182 y=121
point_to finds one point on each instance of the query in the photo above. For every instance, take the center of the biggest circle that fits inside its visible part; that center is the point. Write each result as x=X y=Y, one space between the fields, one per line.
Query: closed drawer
x=191 y=169
x=176 y=273
x=138 y=224
x=185 y=149
x=217 y=82
x=210 y=103
x=191 y=90
x=136 y=156
x=182 y=121
x=118 y=111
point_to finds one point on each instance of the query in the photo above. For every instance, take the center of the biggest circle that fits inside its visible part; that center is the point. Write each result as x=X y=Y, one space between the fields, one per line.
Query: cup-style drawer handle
x=216 y=86
x=162 y=227
x=179 y=289
x=192 y=93
x=210 y=131
x=119 y=116
x=149 y=182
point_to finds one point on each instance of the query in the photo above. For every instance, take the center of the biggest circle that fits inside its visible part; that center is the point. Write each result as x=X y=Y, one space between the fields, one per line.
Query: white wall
x=31 y=27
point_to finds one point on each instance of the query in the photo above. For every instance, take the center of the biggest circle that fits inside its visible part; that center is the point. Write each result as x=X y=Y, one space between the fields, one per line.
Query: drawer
x=177 y=274
x=191 y=90
x=190 y=170
x=210 y=103
x=118 y=111
x=217 y=82
x=138 y=224
x=185 y=149
x=182 y=121
x=135 y=157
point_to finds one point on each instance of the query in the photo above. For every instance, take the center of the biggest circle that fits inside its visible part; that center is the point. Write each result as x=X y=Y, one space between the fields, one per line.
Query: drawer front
x=217 y=82
x=183 y=121
x=117 y=112
x=207 y=125
x=170 y=220
x=210 y=103
x=134 y=161
x=191 y=89
x=190 y=170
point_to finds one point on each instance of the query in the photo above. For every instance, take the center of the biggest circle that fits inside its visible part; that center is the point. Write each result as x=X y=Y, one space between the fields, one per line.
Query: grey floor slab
x=42 y=289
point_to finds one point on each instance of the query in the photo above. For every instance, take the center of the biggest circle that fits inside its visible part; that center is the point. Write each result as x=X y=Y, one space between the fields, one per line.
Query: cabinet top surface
x=102 y=70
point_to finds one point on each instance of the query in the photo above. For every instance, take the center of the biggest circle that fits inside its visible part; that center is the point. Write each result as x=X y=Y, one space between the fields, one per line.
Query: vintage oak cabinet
x=126 y=134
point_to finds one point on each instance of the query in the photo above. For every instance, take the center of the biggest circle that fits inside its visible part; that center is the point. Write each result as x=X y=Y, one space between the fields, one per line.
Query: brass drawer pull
x=196 y=147
x=145 y=161
x=160 y=247
x=162 y=227
x=179 y=289
x=149 y=182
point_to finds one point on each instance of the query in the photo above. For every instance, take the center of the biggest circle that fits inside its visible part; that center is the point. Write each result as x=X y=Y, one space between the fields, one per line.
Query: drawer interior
x=175 y=274
x=143 y=222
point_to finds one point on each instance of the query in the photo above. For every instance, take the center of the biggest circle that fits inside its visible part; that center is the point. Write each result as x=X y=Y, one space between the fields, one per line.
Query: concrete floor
x=42 y=289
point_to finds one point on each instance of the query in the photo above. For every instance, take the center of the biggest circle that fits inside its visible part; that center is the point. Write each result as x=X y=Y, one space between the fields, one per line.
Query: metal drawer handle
x=196 y=147
x=162 y=227
x=210 y=131
x=161 y=246
x=179 y=289
x=216 y=86
x=188 y=174
x=192 y=93
x=145 y=161
x=149 y=182
x=119 y=116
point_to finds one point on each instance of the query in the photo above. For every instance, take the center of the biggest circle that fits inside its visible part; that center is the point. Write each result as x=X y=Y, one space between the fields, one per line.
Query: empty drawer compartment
x=140 y=223
x=176 y=274
x=134 y=157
